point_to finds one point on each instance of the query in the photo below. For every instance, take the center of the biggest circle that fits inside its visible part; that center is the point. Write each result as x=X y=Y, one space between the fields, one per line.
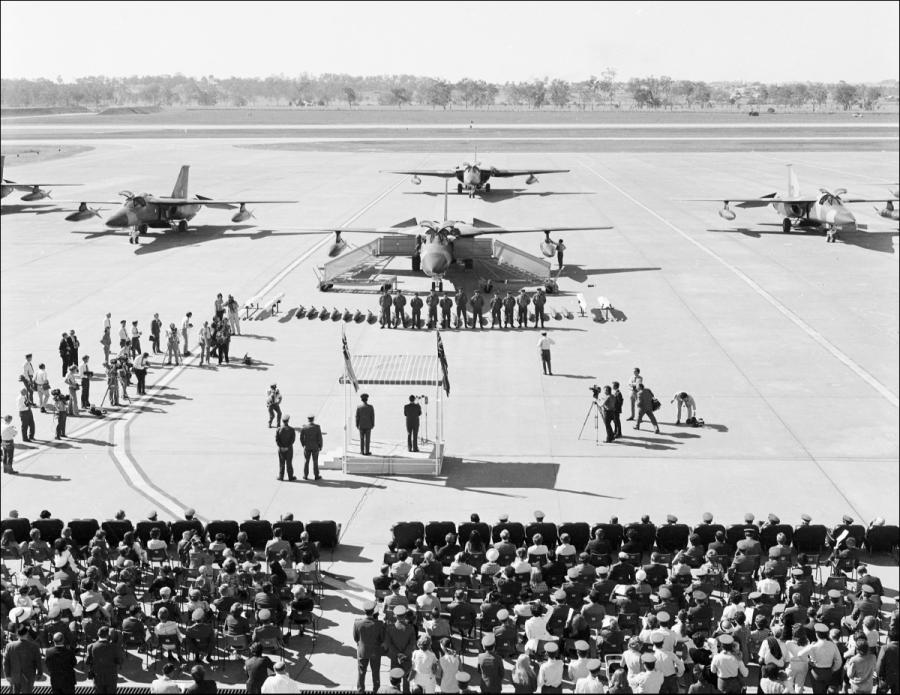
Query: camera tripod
x=594 y=408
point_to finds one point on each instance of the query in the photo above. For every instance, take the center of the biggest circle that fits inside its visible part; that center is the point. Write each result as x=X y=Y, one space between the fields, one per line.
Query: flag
x=348 y=366
x=442 y=358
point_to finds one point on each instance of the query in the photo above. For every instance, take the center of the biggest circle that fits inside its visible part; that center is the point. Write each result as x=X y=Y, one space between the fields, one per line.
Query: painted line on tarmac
x=790 y=315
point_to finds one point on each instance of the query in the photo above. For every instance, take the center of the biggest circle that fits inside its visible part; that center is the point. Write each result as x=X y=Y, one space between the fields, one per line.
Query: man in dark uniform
x=607 y=406
x=155 y=328
x=368 y=633
x=432 y=301
x=416 y=305
x=412 y=411
x=385 y=303
x=522 y=302
x=399 y=309
x=64 y=354
x=617 y=413
x=645 y=407
x=104 y=659
x=446 y=307
x=22 y=662
x=509 y=307
x=461 y=301
x=311 y=441
x=284 y=439
x=61 y=665
x=496 y=307
x=540 y=299
x=477 y=308
x=365 y=422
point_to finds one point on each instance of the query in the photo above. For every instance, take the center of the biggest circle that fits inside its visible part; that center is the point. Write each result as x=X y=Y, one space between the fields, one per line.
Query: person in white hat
x=550 y=674
x=491 y=568
x=669 y=664
x=824 y=658
x=727 y=667
x=427 y=602
x=578 y=667
x=544 y=344
x=368 y=633
x=490 y=666
x=591 y=683
x=400 y=639
x=649 y=680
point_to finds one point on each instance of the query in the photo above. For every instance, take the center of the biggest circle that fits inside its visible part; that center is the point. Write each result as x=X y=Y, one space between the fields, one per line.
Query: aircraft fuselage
x=137 y=212
x=828 y=210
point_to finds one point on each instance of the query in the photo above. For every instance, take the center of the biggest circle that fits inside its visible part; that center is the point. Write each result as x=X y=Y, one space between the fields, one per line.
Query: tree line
x=338 y=90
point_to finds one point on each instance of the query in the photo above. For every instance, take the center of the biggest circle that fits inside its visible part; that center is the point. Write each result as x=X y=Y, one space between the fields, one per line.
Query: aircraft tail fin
x=793 y=184
x=181 y=185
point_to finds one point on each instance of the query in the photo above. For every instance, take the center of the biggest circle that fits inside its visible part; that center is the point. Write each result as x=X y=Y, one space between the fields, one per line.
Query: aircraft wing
x=754 y=202
x=883 y=199
x=440 y=173
x=209 y=202
x=506 y=173
x=30 y=186
x=479 y=227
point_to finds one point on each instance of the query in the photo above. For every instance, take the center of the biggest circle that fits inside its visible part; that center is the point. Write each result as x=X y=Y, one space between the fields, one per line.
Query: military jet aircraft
x=144 y=210
x=825 y=209
x=35 y=190
x=473 y=178
x=435 y=240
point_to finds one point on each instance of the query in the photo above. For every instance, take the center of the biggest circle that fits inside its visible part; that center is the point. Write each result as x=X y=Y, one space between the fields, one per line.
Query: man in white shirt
x=28 y=377
x=185 y=325
x=551 y=671
x=544 y=346
x=85 y=373
x=649 y=680
x=280 y=682
x=8 y=434
x=135 y=339
x=635 y=380
x=591 y=683
x=165 y=684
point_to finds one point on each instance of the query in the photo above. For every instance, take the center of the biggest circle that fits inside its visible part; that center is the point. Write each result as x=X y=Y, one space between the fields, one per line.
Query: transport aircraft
x=145 y=210
x=824 y=209
x=35 y=190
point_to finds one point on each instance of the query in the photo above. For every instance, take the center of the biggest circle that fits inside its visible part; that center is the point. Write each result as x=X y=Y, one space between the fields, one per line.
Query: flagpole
x=346 y=416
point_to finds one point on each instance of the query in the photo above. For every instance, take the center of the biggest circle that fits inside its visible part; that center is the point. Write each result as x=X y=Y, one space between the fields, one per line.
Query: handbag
x=655 y=404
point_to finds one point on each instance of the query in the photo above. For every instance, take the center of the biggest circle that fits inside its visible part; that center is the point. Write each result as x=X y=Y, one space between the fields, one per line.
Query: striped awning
x=396 y=370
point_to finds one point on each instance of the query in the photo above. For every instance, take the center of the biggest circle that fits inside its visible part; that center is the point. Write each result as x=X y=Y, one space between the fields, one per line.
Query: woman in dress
x=424 y=666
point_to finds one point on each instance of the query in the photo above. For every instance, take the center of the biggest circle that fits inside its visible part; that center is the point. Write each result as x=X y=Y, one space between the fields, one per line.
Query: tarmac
x=788 y=344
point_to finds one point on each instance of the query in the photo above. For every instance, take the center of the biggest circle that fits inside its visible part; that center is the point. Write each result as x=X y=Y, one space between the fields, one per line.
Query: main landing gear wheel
x=182 y=226
x=786 y=225
x=487 y=187
x=142 y=229
x=459 y=189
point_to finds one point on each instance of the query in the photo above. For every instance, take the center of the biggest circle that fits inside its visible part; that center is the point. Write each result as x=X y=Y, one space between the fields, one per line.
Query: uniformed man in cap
x=578 y=667
x=400 y=640
x=446 y=308
x=669 y=665
x=824 y=657
x=285 y=436
x=728 y=668
x=833 y=534
x=415 y=305
x=522 y=302
x=368 y=633
x=432 y=301
x=385 y=303
x=461 y=300
x=649 y=680
x=591 y=683
x=365 y=423
x=496 y=308
x=462 y=681
x=311 y=441
x=399 y=309
x=396 y=675
x=509 y=306
x=490 y=665
x=540 y=299
x=477 y=308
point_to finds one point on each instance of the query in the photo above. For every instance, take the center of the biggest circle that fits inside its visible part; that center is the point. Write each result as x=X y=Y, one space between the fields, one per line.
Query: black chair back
x=259 y=532
x=116 y=530
x=20 y=528
x=546 y=529
x=290 y=530
x=83 y=530
x=406 y=533
x=143 y=528
x=177 y=528
x=614 y=534
x=464 y=530
x=436 y=532
x=50 y=529
x=325 y=533
x=228 y=528
x=882 y=539
x=672 y=537
x=769 y=534
x=579 y=533
x=516 y=532
x=809 y=539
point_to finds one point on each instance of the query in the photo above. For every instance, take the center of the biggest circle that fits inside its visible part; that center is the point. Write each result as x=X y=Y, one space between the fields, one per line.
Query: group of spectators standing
x=704 y=618
x=143 y=592
x=505 y=311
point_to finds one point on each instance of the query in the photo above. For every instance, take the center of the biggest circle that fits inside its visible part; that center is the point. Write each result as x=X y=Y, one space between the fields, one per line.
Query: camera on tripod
x=596 y=391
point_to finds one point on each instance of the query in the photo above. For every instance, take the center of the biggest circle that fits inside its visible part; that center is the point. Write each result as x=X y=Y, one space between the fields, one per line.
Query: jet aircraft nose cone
x=844 y=219
x=119 y=219
x=433 y=264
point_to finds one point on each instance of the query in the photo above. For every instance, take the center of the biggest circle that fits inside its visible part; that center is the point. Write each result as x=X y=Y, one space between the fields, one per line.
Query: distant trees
x=400 y=91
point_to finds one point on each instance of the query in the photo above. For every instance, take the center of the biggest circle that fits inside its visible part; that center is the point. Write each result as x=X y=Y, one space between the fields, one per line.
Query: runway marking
x=796 y=320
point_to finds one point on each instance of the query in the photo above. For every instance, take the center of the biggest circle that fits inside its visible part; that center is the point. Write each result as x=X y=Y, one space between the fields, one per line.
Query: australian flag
x=442 y=358
x=347 y=364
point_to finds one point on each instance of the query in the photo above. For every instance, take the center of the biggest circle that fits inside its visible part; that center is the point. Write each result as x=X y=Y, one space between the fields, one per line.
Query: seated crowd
x=175 y=592
x=649 y=609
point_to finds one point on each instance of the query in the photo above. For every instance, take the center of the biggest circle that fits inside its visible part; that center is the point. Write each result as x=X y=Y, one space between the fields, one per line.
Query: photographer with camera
x=140 y=371
x=74 y=383
x=686 y=400
x=60 y=402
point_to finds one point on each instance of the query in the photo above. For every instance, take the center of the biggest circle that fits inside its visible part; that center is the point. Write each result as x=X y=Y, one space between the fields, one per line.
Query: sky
x=498 y=42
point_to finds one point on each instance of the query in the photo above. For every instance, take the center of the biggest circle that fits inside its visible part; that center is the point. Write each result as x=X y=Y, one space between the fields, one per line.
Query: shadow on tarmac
x=498 y=195
x=579 y=274
x=615 y=315
x=257 y=337
x=654 y=444
x=882 y=242
x=28 y=207
x=40 y=476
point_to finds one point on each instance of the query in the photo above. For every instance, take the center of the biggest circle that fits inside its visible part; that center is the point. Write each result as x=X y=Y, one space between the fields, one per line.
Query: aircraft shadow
x=881 y=242
x=27 y=207
x=164 y=240
x=579 y=274
x=499 y=195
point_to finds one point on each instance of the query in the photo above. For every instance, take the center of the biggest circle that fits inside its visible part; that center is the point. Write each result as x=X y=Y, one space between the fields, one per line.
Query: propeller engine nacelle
x=36 y=194
x=242 y=215
x=531 y=179
x=726 y=213
x=415 y=180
